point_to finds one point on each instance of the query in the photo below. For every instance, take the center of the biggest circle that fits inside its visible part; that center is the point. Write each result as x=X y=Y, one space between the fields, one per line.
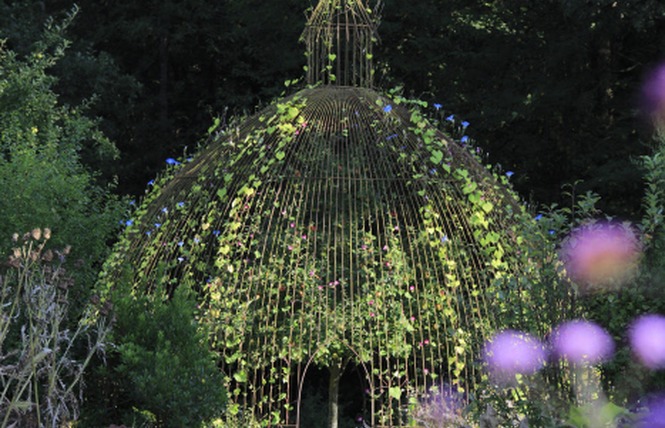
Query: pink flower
x=512 y=352
x=600 y=254
x=647 y=339
x=582 y=342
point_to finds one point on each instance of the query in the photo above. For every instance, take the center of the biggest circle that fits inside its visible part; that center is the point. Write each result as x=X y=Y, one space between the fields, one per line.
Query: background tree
x=42 y=142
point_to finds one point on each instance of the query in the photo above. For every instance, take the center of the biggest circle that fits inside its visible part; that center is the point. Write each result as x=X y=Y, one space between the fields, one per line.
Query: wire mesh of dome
x=338 y=243
x=333 y=234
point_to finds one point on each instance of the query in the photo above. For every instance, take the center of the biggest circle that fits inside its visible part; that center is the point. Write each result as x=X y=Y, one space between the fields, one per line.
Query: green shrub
x=162 y=372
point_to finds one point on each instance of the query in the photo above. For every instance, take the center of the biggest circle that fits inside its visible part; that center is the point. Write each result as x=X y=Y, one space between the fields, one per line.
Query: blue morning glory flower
x=444 y=239
x=464 y=139
x=129 y=223
x=165 y=210
x=390 y=137
x=151 y=183
x=158 y=225
x=465 y=124
x=181 y=243
x=148 y=233
x=132 y=202
x=509 y=174
x=216 y=232
x=181 y=204
x=432 y=171
x=172 y=161
x=388 y=108
x=190 y=159
x=437 y=106
x=551 y=232
x=538 y=217
x=451 y=118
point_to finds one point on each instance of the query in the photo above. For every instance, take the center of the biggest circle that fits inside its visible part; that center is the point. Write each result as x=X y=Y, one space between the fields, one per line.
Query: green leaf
x=395 y=392
x=240 y=377
x=437 y=156
x=469 y=188
x=280 y=155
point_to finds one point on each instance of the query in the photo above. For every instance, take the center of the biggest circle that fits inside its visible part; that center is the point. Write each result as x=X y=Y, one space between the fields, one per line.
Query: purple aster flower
x=655 y=414
x=582 y=342
x=647 y=339
x=512 y=352
x=600 y=254
x=653 y=95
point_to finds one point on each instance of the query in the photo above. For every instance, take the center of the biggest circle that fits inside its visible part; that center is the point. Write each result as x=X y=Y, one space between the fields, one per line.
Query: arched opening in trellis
x=335 y=233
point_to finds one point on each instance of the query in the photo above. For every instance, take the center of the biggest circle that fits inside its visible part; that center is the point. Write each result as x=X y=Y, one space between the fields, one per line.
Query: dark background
x=550 y=87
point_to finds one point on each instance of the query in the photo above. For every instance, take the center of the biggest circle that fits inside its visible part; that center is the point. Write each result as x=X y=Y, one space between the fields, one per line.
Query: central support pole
x=333 y=394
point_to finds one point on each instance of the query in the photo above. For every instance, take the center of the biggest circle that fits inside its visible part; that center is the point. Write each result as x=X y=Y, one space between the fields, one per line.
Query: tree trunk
x=333 y=395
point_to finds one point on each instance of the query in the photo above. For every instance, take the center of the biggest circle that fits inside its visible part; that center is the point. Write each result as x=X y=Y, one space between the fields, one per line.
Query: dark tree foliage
x=549 y=86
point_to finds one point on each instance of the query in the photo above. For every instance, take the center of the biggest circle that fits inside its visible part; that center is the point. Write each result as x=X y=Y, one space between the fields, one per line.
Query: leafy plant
x=43 y=177
x=161 y=372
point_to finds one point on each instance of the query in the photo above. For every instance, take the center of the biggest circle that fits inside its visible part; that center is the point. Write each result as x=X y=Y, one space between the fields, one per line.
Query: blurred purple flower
x=511 y=352
x=582 y=342
x=172 y=161
x=655 y=414
x=388 y=108
x=647 y=339
x=600 y=253
x=437 y=106
x=465 y=124
x=509 y=174
x=464 y=139
x=653 y=95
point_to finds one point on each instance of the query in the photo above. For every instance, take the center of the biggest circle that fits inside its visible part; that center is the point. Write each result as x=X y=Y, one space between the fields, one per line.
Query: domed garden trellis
x=335 y=231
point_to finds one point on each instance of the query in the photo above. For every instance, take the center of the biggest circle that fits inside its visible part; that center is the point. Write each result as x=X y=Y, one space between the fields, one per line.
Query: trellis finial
x=339 y=37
